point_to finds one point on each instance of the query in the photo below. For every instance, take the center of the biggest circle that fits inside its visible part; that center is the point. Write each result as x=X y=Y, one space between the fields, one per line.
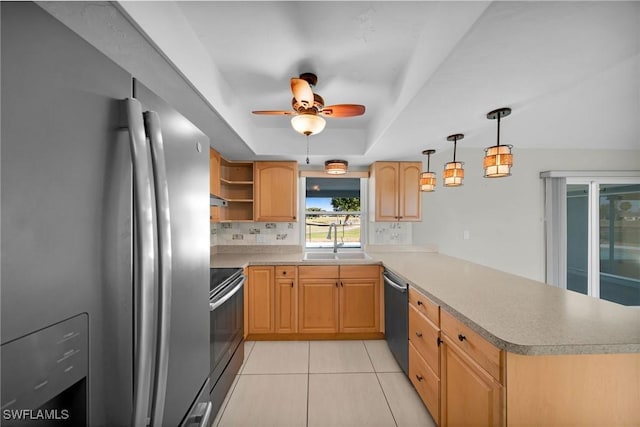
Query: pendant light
x=428 y=178
x=336 y=167
x=498 y=159
x=453 y=171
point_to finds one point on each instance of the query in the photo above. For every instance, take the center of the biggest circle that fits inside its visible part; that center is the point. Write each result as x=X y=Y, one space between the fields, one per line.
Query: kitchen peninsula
x=564 y=358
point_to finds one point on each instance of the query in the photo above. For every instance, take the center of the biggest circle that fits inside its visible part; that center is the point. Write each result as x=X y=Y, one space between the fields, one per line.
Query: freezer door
x=66 y=197
x=187 y=167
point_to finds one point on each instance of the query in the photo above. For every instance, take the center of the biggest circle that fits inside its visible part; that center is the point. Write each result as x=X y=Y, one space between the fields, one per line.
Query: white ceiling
x=569 y=70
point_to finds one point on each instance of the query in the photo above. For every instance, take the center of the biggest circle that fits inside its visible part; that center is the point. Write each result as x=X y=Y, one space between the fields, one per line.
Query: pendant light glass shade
x=427 y=181
x=498 y=159
x=453 y=174
x=308 y=124
x=453 y=171
x=336 y=167
x=428 y=178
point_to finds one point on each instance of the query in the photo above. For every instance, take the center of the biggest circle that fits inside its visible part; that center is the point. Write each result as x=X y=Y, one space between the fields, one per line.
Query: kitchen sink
x=352 y=255
x=311 y=256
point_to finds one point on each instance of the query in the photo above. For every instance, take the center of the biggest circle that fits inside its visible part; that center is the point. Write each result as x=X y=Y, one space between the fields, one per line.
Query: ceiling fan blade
x=302 y=92
x=274 y=112
x=343 y=110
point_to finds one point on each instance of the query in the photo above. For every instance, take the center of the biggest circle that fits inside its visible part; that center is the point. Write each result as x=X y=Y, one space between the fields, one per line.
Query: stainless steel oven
x=226 y=305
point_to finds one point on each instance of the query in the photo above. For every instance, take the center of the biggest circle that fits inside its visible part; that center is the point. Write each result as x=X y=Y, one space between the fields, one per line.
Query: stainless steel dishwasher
x=396 y=317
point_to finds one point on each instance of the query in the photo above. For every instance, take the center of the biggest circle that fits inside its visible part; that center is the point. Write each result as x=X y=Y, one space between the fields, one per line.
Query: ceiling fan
x=309 y=108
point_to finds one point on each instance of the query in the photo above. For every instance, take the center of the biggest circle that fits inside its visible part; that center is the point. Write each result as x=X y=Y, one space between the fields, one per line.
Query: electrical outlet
x=466 y=235
x=260 y=238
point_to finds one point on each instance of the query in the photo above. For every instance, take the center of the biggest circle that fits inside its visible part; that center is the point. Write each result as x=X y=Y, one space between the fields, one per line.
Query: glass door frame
x=593 y=250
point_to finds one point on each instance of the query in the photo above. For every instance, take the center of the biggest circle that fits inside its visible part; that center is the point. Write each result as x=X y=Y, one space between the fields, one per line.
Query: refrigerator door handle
x=144 y=262
x=154 y=132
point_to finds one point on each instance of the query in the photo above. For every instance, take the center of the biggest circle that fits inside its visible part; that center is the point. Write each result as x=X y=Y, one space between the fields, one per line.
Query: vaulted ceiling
x=570 y=71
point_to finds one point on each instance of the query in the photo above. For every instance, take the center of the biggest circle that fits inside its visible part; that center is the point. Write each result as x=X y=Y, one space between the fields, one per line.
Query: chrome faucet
x=335 y=236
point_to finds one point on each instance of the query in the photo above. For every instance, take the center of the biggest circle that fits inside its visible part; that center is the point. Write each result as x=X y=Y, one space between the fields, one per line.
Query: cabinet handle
x=439 y=341
x=342 y=284
x=294 y=217
x=284 y=273
x=292 y=284
x=336 y=283
x=419 y=377
x=461 y=337
x=419 y=334
x=420 y=302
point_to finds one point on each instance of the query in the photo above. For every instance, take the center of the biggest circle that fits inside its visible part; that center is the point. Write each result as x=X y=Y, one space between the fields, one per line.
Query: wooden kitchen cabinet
x=396 y=191
x=260 y=304
x=286 y=300
x=275 y=191
x=424 y=350
x=318 y=299
x=470 y=396
x=236 y=186
x=359 y=298
x=342 y=299
x=214 y=183
x=472 y=377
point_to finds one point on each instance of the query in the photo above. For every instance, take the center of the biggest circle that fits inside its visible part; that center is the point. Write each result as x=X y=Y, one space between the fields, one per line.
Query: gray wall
x=504 y=217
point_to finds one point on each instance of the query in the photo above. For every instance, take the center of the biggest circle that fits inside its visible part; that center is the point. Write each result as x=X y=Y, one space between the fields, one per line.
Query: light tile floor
x=321 y=384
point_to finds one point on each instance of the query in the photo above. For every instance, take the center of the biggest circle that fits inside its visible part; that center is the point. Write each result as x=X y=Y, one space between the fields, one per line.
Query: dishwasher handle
x=393 y=284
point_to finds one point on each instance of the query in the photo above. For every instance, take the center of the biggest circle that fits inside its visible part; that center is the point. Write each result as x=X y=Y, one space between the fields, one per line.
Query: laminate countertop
x=515 y=314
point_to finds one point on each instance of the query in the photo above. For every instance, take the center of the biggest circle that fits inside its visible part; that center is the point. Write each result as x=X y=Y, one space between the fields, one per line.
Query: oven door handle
x=214 y=305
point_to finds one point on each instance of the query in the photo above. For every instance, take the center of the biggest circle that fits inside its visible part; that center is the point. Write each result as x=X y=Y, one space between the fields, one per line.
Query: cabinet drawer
x=359 y=271
x=318 y=272
x=481 y=351
x=424 y=336
x=286 y=271
x=425 y=382
x=425 y=306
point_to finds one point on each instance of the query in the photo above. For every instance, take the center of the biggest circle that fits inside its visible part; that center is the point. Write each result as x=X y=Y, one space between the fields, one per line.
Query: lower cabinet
x=286 y=291
x=260 y=300
x=425 y=381
x=318 y=303
x=319 y=299
x=470 y=396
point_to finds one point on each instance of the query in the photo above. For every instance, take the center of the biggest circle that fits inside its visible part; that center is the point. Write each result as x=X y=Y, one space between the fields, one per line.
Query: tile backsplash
x=390 y=233
x=255 y=233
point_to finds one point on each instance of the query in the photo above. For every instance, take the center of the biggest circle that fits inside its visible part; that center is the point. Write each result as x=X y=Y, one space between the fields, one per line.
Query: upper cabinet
x=214 y=182
x=275 y=191
x=396 y=191
x=236 y=187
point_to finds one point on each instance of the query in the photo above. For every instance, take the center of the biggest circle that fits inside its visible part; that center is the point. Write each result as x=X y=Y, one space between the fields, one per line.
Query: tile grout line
x=380 y=384
x=308 y=377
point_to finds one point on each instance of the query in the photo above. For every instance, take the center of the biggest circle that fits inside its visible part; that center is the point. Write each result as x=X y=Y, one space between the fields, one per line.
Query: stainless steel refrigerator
x=105 y=252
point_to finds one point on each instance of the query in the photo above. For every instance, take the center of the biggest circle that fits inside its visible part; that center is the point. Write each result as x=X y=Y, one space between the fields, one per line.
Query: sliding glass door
x=603 y=239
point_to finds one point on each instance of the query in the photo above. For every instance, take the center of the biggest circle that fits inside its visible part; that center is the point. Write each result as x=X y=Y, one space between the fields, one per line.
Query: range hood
x=217 y=201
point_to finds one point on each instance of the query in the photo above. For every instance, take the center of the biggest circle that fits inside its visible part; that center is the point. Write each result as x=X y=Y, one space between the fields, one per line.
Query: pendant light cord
x=428 y=161
x=455 y=143
x=498 y=129
x=307 y=149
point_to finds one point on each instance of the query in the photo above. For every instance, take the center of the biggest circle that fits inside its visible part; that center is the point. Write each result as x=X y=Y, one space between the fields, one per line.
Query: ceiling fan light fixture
x=453 y=171
x=498 y=159
x=336 y=167
x=308 y=124
x=428 y=178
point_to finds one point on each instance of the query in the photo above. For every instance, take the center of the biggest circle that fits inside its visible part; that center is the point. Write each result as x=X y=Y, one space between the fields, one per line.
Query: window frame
x=363 y=213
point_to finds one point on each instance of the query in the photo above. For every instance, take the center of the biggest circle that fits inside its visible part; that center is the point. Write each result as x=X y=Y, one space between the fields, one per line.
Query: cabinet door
x=214 y=183
x=409 y=195
x=360 y=305
x=469 y=395
x=318 y=305
x=261 y=300
x=286 y=303
x=275 y=191
x=386 y=191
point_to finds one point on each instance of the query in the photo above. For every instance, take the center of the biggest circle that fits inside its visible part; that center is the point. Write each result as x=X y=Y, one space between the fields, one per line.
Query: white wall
x=504 y=216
